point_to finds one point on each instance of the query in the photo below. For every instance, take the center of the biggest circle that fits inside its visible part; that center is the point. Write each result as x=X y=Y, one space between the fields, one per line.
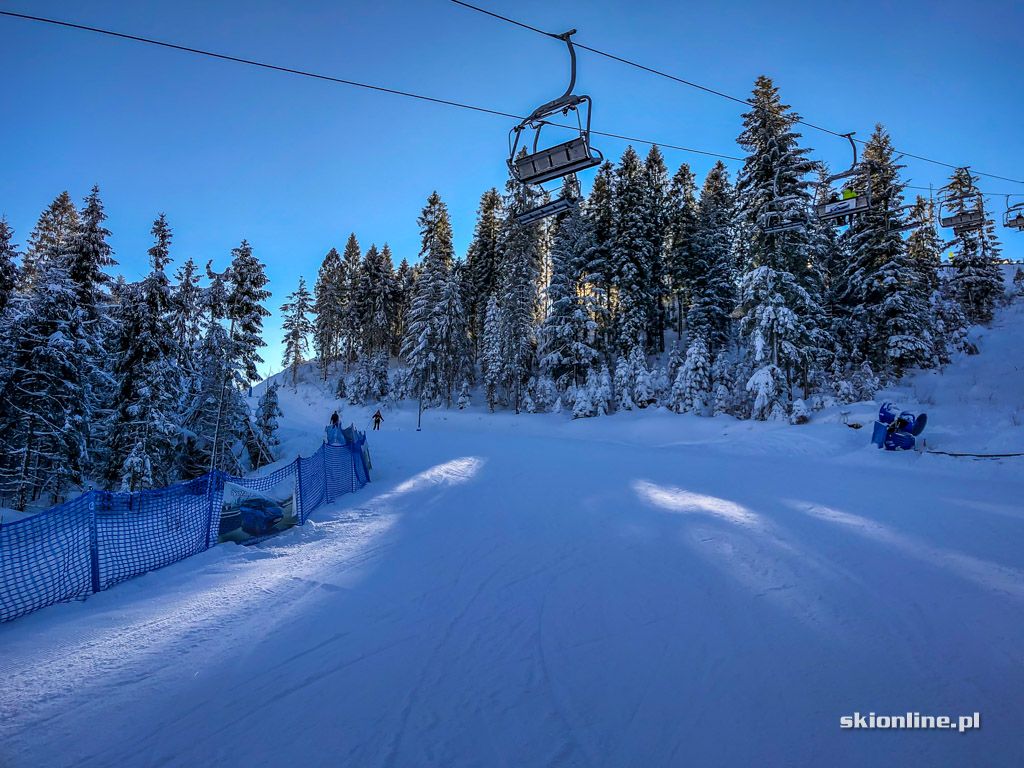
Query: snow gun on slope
x=897 y=431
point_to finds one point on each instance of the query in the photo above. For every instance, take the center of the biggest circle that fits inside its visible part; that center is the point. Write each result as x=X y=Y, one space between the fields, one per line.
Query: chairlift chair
x=541 y=165
x=773 y=210
x=1013 y=216
x=849 y=206
x=963 y=220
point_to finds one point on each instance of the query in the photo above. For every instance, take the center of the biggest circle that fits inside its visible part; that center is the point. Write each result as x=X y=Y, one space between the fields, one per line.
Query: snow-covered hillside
x=646 y=589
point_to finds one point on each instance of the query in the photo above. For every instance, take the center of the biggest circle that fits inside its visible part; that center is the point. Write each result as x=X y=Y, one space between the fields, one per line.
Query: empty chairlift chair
x=541 y=165
x=773 y=217
x=1013 y=217
x=953 y=210
x=850 y=202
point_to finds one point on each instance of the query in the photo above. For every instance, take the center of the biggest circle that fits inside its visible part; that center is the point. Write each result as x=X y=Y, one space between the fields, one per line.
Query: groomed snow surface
x=641 y=590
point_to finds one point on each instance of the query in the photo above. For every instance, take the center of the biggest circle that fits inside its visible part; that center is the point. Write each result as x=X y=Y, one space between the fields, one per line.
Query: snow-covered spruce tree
x=632 y=255
x=90 y=254
x=567 y=330
x=297 y=329
x=482 y=263
x=597 y=271
x=518 y=295
x=583 y=403
x=712 y=273
x=490 y=354
x=602 y=391
x=976 y=280
x=187 y=318
x=376 y=300
x=405 y=283
x=137 y=471
x=268 y=409
x=420 y=349
x=44 y=422
x=348 y=289
x=217 y=418
x=87 y=258
x=657 y=188
x=696 y=375
x=52 y=238
x=924 y=246
x=245 y=310
x=949 y=327
x=643 y=387
x=144 y=426
x=883 y=291
x=328 y=292
x=8 y=268
x=781 y=318
x=624 y=382
x=465 y=396
x=452 y=351
x=681 y=226
x=769 y=388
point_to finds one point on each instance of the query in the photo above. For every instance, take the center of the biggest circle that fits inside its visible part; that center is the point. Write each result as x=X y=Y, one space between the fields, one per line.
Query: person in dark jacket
x=334 y=419
x=377 y=419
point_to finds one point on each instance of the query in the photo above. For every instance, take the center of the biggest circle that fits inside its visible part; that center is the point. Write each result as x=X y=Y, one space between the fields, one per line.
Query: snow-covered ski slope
x=642 y=590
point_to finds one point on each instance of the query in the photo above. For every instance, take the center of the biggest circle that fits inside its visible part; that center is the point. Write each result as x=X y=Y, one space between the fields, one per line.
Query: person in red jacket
x=377 y=419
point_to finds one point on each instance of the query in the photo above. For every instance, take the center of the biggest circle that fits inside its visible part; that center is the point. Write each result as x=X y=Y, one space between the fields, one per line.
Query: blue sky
x=294 y=165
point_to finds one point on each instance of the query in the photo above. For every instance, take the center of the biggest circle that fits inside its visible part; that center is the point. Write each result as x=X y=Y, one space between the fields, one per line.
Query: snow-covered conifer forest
x=660 y=290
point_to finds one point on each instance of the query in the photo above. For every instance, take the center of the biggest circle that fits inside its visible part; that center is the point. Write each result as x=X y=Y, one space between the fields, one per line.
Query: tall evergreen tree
x=482 y=262
x=145 y=428
x=976 y=279
x=297 y=329
x=376 y=300
x=245 y=310
x=632 y=254
x=567 y=332
x=681 y=226
x=712 y=273
x=348 y=295
x=405 y=283
x=44 y=423
x=329 y=291
x=187 y=316
x=598 y=272
x=518 y=291
x=53 y=237
x=657 y=189
x=422 y=331
x=884 y=291
x=8 y=268
x=781 y=317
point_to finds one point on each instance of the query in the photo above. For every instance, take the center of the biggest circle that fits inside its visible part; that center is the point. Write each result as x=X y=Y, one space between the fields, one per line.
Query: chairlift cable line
x=396 y=92
x=745 y=102
x=342 y=81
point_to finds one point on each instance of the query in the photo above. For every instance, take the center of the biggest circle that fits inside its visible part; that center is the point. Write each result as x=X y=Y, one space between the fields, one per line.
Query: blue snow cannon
x=897 y=430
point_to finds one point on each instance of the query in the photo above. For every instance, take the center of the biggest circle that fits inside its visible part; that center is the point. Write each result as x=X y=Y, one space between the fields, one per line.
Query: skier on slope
x=334 y=419
x=377 y=419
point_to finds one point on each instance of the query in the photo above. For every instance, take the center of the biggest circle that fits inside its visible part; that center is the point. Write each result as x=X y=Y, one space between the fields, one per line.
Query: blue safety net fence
x=101 y=538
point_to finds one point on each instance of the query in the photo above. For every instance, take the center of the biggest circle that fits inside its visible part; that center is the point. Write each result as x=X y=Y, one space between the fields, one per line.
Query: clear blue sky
x=294 y=165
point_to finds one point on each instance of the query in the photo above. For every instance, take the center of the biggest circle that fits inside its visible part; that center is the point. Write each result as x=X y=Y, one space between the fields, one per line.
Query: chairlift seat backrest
x=555 y=162
x=837 y=208
x=966 y=221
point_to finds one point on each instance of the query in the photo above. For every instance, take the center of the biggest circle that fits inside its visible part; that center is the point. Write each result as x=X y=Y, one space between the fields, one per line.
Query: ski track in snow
x=649 y=590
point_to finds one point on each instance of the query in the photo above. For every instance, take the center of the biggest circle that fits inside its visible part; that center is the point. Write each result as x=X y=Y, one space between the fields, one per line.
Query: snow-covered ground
x=641 y=590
